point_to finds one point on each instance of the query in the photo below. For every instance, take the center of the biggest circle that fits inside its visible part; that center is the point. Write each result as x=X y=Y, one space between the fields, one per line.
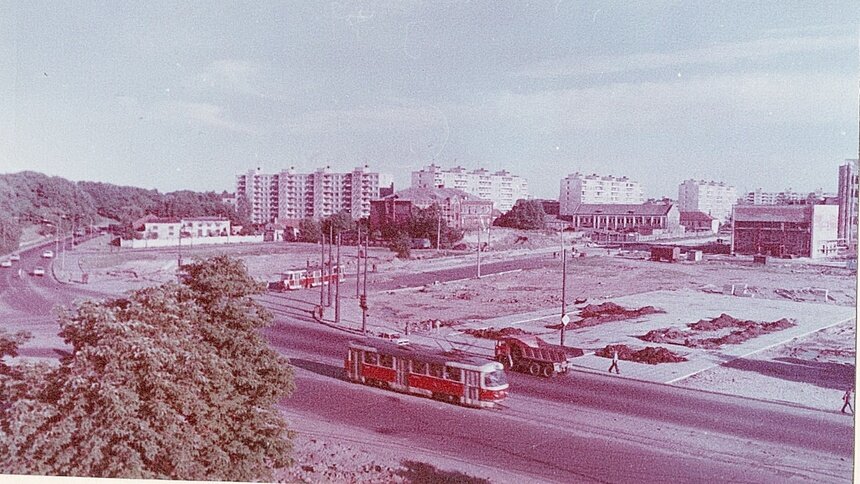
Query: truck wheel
x=534 y=369
x=547 y=371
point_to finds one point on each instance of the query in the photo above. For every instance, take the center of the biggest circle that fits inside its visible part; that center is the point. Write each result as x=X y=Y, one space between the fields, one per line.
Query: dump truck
x=530 y=354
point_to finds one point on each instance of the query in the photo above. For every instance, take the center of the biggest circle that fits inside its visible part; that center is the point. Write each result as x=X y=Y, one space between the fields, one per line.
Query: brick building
x=785 y=230
x=459 y=209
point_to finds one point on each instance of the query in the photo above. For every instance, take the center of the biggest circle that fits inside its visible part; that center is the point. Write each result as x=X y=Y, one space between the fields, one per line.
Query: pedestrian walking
x=614 y=362
x=847 y=399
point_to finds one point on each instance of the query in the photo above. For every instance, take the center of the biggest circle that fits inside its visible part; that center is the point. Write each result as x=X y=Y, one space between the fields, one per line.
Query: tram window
x=452 y=373
x=370 y=358
x=436 y=370
x=386 y=361
x=419 y=367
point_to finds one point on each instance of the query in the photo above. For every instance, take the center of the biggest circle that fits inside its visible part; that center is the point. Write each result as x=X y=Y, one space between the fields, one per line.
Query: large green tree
x=172 y=382
x=525 y=214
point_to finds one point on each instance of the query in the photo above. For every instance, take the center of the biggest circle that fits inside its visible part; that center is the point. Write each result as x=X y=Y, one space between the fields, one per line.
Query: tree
x=525 y=214
x=401 y=245
x=339 y=222
x=173 y=381
x=309 y=230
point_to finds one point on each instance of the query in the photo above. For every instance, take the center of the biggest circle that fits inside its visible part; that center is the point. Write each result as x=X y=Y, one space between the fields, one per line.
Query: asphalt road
x=552 y=429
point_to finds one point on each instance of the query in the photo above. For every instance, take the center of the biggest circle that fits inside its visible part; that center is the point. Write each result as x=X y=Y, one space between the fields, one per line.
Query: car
x=6 y=263
x=48 y=254
x=14 y=257
x=38 y=271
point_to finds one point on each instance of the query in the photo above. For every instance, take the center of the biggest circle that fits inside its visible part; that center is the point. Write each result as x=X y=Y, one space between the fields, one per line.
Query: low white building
x=169 y=228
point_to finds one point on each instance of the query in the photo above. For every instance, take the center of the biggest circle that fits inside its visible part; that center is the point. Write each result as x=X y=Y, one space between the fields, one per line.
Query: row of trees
x=525 y=214
x=171 y=382
x=31 y=197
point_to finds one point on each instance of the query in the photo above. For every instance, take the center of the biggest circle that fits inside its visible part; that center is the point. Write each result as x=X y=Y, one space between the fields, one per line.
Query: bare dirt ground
x=801 y=372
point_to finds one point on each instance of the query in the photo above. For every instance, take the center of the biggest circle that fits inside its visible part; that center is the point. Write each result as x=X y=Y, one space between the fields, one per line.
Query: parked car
x=6 y=263
x=14 y=257
x=38 y=271
x=48 y=254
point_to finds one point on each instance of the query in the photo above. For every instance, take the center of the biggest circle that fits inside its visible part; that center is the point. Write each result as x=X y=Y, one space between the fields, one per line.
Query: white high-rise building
x=710 y=197
x=260 y=192
x=577 y=189
x=502 y=187
x=289 y=195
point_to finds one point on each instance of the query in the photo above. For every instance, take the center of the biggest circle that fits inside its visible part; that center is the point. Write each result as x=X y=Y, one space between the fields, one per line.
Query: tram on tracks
x=306 y=278
x=421 y=370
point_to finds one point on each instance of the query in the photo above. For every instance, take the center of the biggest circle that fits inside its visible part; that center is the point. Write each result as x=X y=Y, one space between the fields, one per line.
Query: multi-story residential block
x=289 y=196
x=787 y=197
x=578 y=189
x=713 y=198
x=459 y=209
x=785 y=230
x=260 y=192
x=848 y=201
x=502 y=187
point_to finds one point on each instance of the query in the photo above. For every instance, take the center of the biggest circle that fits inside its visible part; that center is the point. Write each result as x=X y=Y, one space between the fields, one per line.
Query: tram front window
x=495 y=379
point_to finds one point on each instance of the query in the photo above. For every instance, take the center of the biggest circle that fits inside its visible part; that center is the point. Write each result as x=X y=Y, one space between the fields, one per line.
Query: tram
x=306 y=278
x=421 y=370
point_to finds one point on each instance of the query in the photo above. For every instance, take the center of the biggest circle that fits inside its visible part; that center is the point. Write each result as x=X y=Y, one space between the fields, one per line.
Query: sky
x=186 y=95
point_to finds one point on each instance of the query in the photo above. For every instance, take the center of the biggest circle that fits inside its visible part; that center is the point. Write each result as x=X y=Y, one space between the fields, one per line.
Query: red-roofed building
x=699 y=222
x=785 y=230
x=459 y=209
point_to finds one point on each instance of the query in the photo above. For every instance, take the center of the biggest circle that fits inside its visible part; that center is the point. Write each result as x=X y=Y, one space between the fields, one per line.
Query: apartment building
x=848 y=193
x=260 y=192
x=290 y=196
x=578 y=189
x=710 y=197
x=787 y=197
x=501 y=187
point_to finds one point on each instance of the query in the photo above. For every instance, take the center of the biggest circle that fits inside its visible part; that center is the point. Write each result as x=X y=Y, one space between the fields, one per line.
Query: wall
x=190 y=241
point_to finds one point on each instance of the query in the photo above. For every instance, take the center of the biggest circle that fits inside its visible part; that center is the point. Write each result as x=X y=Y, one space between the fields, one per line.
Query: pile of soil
x=720 y=322
x=692 y=339
x=651 y=355
x=595 y=314
x=428 y=324
x=493 y=333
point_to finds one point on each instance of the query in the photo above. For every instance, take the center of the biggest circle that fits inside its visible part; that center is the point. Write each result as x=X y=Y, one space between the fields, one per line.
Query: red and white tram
x=304 y=278
x=422 y=370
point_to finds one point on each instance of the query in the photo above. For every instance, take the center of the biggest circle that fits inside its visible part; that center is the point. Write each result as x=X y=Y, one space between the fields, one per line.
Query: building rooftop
x=695 y=217
x=771 y=213
x=418 y=194
x=648 y=209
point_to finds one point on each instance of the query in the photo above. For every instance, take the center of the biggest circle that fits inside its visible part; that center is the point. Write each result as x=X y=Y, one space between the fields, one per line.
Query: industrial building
x=785 y=230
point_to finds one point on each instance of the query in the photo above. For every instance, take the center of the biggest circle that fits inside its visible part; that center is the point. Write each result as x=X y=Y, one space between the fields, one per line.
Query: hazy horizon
x=187 y=96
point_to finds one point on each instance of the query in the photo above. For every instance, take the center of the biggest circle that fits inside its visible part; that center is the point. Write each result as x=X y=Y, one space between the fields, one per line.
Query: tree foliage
x=339 y=222
x=309 y=230
x=525 y=214
x=425 y=223
x=172 y=382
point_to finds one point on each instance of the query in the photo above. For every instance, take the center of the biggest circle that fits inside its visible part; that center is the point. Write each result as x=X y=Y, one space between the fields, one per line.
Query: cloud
x=381 y=117
x=749 y=98
x=717 y=54
x=206 y=114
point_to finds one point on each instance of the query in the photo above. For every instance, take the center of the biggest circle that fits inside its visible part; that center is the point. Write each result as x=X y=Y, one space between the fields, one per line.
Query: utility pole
x=322 y=276
x=480 y=229
x=330 y=264
x=337 y=285
x=438 y=228
x=565 y=319
x=358 y=264
x=363 y=301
